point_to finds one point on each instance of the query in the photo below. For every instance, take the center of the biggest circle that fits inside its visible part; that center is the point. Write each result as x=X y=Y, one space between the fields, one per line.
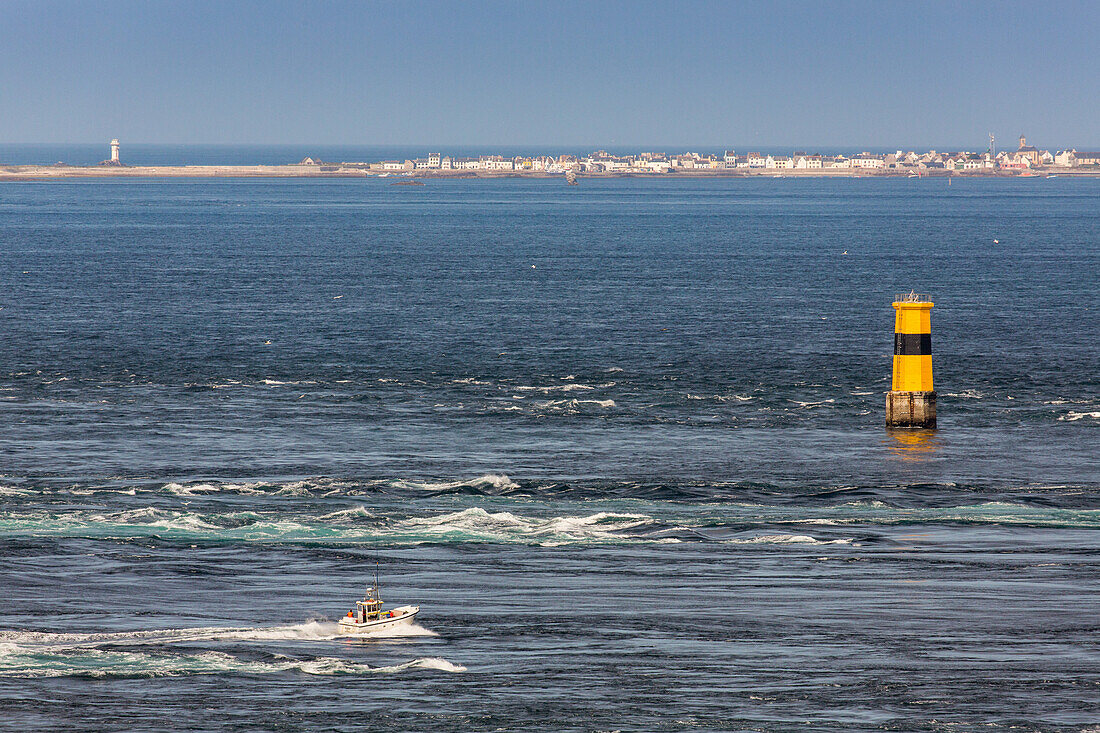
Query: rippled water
x=622 y=442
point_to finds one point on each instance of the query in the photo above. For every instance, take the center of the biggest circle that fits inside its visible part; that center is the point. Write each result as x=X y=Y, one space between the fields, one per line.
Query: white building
x=866 y=160
x=612 y=163
x=970 y=162
x=496 y=163
x=465 y=164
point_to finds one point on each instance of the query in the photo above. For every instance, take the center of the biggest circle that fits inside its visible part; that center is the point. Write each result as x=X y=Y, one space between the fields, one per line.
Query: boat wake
x=394 y=632
x=309 y=631
x=19 y=662
x=30 y=654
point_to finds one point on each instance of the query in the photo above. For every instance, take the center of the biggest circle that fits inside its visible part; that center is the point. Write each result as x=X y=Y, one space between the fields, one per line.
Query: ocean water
x=622 y=442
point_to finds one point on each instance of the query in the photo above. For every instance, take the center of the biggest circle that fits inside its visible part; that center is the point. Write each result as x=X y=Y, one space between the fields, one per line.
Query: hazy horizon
x=835 y=75
x=976 y=146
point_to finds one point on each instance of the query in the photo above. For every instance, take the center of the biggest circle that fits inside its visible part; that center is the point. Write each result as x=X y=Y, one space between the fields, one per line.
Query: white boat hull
x=404 y=617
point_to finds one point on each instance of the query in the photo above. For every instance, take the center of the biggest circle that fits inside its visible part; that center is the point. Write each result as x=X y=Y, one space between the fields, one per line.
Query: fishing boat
x=368 y=617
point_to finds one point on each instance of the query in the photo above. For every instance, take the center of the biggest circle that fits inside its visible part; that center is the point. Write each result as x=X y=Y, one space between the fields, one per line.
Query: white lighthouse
x=114 y=151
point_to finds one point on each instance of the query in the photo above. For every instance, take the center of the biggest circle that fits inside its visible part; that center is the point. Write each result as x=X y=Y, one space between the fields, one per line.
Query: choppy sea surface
x=622 y=442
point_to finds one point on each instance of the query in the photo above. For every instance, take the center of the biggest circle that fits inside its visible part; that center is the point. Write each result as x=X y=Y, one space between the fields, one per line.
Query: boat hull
x=350 y=627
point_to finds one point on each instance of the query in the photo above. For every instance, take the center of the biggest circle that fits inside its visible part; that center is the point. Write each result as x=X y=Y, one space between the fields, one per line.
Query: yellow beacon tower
x=911 y=402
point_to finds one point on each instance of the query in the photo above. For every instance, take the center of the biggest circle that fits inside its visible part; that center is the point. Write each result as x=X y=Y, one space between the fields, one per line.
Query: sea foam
x=112 y=663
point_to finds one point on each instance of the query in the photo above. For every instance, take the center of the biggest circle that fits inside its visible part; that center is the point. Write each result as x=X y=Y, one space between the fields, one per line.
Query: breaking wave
x=788 y=539
x=478 y=525
x=354 y=525
x=1073 y=416
x=489 y=480
x=573 y=404
x=559 y=388
x=518 y=521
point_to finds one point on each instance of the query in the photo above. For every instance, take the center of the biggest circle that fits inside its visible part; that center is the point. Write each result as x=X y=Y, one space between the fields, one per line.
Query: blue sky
x=806 y=74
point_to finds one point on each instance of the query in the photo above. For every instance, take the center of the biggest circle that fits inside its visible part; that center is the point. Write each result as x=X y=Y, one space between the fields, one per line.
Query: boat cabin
x=368 y=609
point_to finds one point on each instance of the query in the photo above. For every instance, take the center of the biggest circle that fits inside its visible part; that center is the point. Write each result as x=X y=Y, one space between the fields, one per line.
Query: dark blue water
x=622 y=442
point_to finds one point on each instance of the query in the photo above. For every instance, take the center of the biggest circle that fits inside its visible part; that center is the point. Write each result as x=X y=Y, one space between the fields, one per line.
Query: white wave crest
x=343 y=515
x=203 y=488
x=491 y=480
x=721 y=397
x=295 y=488
x=787 y=539
x=191 y=489
x=428 y=663
x=248 y=489
x=152 y=517
x=970 y=394
x=810 y=405
x=1072 y=416
x=556 y=388
x=310 y=630
x=573 y=404
x=12 y=491
x=98 y=663
x=353 y=525
x=477 y=524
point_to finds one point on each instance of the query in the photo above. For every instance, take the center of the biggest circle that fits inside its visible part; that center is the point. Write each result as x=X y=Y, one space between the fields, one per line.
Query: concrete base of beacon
x=911 y=409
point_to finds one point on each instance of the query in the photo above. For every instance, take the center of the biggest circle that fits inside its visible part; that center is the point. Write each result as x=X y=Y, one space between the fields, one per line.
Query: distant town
x=1025 y=160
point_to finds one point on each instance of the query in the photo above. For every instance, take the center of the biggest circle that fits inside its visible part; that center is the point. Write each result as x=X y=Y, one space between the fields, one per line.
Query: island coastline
x=15 y=173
